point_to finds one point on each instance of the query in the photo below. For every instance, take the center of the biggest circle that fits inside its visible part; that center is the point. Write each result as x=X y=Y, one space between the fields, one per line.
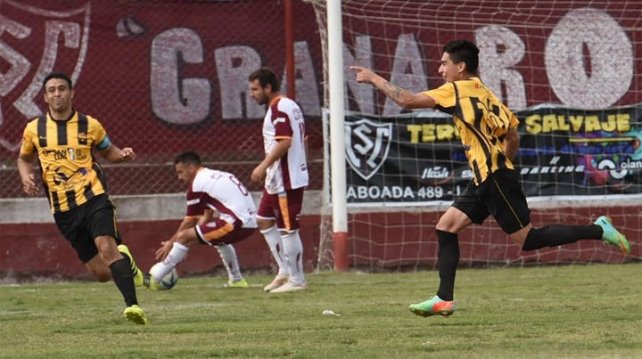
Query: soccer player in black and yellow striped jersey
x=64 y=142
x=488 y=132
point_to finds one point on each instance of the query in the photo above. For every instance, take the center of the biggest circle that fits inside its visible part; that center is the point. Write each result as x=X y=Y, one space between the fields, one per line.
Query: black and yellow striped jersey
x=482 y=121
x=70 y=175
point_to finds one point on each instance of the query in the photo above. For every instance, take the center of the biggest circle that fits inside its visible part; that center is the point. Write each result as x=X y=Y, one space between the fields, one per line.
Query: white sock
x=160 y=269
x=273 y=239
x=230 y=261
x=293 y=249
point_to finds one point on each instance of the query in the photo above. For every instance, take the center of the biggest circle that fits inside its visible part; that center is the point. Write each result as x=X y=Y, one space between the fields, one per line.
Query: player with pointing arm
x=488 y=132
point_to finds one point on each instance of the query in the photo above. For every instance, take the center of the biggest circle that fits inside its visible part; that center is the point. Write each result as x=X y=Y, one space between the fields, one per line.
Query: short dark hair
x=266 y=77
x=57 y=75
x=188 y=158
x=464 y=51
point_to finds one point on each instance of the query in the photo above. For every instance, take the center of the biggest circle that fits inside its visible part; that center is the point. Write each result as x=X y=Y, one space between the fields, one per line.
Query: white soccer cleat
x=289 y=287
x=277 y=282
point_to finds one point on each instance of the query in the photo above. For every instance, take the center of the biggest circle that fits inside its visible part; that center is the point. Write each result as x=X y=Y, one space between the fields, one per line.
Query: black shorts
x=501 y=196
x=82 y=224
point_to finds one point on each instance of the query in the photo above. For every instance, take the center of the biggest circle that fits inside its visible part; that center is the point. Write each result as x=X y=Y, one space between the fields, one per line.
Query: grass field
x=592 y=311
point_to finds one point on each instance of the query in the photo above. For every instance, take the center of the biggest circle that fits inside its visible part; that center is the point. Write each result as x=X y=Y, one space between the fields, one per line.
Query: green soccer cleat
x=612 y=236
x=138 y=275
x=433 y=306
x=151 y=283
x=135 y=314
x=236 y=284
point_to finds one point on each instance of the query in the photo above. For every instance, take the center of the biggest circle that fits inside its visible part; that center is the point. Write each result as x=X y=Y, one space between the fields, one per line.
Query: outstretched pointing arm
x=402 y=97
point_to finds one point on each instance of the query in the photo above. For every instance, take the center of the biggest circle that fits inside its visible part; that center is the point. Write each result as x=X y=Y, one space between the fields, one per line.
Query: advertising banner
x=419 y=157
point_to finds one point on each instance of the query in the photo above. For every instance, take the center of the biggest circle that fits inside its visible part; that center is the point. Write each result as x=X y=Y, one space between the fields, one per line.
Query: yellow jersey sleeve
x=514 y=122
x=100 y=139
x=444 y=95
x=28 y=136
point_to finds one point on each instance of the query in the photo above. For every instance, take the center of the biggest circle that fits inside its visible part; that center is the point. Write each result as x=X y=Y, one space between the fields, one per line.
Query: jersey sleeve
x=27 y=146
x=281 y=119
x=513 y=121
x=196 y=202
x=283 y=129
x=101 y=140
x=444 y=95
x=194 y=205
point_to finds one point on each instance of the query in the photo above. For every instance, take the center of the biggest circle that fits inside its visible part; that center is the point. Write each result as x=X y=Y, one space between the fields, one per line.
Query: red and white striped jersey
x=223 y=192
x=283 y=120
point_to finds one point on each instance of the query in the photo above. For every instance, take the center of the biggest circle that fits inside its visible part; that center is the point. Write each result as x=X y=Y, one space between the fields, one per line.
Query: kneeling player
x=220 y=211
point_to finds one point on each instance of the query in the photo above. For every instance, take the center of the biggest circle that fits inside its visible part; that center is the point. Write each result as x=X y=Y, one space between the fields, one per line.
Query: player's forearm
x=114 y=154
x=27 y=175
x=402 y=97
x=511 y=145
x=188 y=222
x=25 y=167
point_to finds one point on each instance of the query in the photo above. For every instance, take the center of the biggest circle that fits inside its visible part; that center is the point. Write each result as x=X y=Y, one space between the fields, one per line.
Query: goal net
x=571 y=72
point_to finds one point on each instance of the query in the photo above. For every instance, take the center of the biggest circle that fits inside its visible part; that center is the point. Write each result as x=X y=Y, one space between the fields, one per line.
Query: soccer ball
x=169 y=280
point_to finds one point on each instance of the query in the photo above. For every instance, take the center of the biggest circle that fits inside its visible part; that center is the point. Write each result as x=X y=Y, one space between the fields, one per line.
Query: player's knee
x=186 y=237
x=264 y=224
x=106 y=245
x=446 y=224
x=442 y=225
x=520 y=236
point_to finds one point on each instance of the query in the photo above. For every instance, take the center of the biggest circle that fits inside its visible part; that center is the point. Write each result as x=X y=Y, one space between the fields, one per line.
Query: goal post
x=552 y=63
x=337 y=142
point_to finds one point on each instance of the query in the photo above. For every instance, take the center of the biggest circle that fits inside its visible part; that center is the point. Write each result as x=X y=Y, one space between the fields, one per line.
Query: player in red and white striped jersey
x=285 y=174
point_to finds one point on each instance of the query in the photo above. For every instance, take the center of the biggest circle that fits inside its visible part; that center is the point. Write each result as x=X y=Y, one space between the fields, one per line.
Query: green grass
x=592 y=311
